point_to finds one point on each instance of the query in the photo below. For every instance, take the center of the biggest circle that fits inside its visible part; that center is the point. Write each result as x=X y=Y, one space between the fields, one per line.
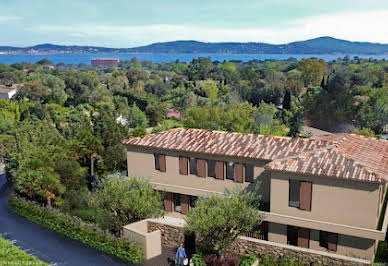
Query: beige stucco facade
x=337 y=201
x=141 y=163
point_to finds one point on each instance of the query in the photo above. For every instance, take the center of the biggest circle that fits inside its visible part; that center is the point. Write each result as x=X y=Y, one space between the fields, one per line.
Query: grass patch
x=12 y=255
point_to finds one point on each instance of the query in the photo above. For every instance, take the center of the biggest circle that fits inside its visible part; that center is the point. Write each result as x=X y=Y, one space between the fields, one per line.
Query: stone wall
x=246 y=246
x=172 y=236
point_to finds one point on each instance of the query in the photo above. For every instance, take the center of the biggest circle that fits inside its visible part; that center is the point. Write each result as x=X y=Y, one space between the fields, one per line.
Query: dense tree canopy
x=61 y=135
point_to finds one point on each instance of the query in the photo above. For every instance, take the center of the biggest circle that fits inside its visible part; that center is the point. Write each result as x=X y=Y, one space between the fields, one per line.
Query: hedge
x=10 y=254
x=74 y=228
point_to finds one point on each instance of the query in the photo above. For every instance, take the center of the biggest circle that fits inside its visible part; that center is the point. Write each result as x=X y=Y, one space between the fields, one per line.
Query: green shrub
x=88 y=215
x=10 y=254
x=382 y=253
x=248 y=261
x=197 y=260
x=274 y=261
x=75 y=228
x=138 y=132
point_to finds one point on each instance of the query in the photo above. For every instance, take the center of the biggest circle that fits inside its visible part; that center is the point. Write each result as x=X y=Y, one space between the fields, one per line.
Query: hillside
x=322 y=45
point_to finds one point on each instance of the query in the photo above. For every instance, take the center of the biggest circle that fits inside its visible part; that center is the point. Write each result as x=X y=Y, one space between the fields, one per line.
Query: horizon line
x=95 y=46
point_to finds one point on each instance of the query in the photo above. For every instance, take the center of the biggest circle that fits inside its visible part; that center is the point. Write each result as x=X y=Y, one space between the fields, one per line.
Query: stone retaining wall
x=172 y=236
x=246 y=246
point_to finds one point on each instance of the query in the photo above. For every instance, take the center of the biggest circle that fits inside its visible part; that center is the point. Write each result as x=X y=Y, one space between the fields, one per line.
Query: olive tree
x=121 y=201
x=220 y=219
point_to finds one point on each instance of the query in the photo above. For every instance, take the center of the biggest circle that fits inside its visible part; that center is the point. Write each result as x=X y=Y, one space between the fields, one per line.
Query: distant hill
x=322 y=45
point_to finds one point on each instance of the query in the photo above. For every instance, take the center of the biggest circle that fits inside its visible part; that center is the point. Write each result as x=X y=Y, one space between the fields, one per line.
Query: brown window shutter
x=184 y=204
x=201 y=168
x=239 y=172
x=162 y=163
x=220 y=172
x=303 y=237
x=332 y=239
x=183 y=165
x=168 y=202
x=305 y=196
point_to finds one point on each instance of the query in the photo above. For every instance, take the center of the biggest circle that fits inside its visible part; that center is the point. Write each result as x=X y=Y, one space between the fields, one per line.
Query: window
x=292 y=235
x=193 y=199
x=294 y=193
x=328 y=240
x=300 y=194
x=323 y=241
x=229 y=170
x=156 y=157
x=249 y=173
x=160 y=162
x=211 y=168
x=177 y=202
x=298 y=236
x=193 y=166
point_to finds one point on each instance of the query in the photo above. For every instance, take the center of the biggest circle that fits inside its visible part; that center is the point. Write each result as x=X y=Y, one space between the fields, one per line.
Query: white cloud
x=10 y=19
x=357 y=26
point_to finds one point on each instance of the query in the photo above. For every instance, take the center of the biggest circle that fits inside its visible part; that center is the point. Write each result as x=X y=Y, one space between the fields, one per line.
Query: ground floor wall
x=172 y=236
x=346 y=245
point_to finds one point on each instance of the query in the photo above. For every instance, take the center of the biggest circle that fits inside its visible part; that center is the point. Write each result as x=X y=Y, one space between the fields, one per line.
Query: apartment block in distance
x=324 y=194
x=105 y=62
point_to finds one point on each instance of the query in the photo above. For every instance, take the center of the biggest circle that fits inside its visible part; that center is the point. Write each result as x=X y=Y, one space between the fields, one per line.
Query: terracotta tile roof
x=352 y=157
x=343 y=156
x=229 y=144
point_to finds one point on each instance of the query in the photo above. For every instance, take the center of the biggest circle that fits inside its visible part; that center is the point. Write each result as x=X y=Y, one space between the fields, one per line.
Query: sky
x=131 y=23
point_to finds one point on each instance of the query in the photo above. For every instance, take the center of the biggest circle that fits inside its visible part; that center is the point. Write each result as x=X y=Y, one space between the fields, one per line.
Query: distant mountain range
x=322 y=45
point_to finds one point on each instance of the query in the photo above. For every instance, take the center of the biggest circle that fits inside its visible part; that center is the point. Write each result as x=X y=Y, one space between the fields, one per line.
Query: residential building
x=174 y=113
x=105 y=62
x=324 y=193
x=7 y=92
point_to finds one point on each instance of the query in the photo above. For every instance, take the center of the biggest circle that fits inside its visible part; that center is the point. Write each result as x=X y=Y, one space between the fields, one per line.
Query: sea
x=85 y=58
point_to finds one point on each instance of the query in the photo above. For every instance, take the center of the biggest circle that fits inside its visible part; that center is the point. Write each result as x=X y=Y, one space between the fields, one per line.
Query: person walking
x=180 y=255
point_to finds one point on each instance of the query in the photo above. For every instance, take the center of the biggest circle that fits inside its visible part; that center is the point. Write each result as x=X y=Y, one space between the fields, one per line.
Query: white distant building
x=8 y=92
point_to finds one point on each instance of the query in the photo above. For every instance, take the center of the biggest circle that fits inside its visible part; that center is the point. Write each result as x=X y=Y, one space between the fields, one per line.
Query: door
x=189 y=244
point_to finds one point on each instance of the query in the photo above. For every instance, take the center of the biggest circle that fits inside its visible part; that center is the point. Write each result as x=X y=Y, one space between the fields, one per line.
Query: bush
x=197 y=260
x=220 y=220
x=123 y=201
x=275 y=261
x=138 y=132
x=10 y=254
x=382 y=253
x=366 y=132
x=248 y=261
x=75 y=228
x=226 y=260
